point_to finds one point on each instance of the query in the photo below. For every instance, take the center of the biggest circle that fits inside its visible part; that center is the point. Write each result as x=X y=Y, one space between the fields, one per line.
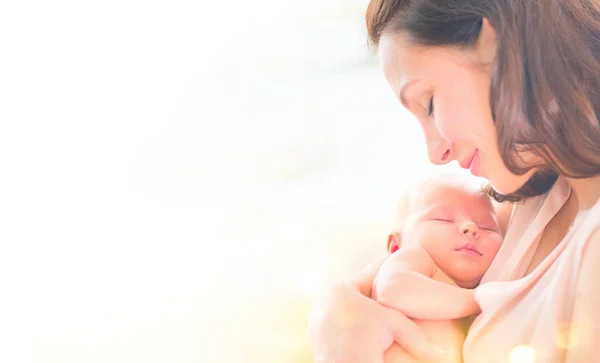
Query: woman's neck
x=586 y=190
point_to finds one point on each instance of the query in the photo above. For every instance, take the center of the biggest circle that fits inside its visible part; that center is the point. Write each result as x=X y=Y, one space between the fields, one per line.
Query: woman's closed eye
x=430 y=107
x=427 y=105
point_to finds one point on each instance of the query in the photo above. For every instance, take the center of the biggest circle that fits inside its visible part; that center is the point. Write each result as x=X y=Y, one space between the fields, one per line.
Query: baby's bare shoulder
x=411 y=258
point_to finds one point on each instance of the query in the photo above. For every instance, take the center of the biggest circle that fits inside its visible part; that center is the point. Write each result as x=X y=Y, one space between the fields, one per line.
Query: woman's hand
x=346 y=326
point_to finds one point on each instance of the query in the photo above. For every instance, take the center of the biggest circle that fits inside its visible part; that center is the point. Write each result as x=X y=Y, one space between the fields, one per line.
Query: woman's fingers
x=410 y=337
x=344 y=327
x=360 y=348
x=364 y=281
x=354 y=345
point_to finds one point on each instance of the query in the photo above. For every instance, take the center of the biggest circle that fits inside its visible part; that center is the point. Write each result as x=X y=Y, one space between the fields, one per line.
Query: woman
x=511 y=90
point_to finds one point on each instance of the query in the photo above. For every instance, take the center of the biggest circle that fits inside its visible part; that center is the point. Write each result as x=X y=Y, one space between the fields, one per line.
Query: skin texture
x=427 y=261
x=459 y=127
x=444 y=217
x=459 y=84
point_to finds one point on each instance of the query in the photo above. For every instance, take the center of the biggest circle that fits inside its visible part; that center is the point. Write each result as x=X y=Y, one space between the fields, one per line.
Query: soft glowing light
x=522 y=354
x=566 y=337
x=310 y=282
x=162 y=195
x=344 y=318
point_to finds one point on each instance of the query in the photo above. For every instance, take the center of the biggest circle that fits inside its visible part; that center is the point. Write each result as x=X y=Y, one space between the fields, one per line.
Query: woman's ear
x=394 y=242
x=486 y=43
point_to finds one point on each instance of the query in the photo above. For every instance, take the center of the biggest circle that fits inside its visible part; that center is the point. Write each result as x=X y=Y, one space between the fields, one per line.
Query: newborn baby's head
x=454 y=222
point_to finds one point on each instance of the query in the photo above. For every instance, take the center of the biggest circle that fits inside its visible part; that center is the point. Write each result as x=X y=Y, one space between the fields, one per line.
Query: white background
x=178 y=179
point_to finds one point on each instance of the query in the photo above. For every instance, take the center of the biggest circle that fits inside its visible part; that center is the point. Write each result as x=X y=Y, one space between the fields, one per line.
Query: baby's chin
x=468 y=281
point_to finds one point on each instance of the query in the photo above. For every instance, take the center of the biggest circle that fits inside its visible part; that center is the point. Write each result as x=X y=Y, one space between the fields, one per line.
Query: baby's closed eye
x=488 y=226
x=447 y=220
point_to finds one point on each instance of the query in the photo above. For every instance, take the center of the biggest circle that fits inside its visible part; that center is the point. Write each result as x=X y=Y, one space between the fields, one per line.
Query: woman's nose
x=439 y=149
x=470 y=229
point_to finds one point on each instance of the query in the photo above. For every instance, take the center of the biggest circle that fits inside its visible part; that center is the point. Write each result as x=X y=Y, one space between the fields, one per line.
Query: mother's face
x=449 y=95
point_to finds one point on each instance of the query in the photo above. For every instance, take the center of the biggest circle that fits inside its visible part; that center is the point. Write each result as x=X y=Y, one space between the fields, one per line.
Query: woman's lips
x=474 y=164
x=466 y=163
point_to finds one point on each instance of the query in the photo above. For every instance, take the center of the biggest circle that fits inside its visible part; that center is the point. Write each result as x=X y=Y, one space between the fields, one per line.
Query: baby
x=446 y=238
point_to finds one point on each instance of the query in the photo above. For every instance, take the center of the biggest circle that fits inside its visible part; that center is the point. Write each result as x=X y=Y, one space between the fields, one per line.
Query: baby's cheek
x=497 y=243
x=491 y=254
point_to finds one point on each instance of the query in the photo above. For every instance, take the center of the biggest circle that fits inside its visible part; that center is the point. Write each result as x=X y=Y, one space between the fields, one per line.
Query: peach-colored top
x=532 y=310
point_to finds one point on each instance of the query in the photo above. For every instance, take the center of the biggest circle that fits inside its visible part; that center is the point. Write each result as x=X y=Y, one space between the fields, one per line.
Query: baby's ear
x=394 y=242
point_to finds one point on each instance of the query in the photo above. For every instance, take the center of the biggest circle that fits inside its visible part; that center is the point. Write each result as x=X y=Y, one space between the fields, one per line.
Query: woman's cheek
x=459 y=120
x=450 y=127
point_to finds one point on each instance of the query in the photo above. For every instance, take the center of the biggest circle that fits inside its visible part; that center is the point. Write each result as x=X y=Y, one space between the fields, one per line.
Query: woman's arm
x=347 y=326
x=585 y=327
x=405 y=283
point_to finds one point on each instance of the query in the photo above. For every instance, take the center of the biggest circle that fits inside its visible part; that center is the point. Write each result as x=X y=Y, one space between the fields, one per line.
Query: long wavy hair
x=545 y=90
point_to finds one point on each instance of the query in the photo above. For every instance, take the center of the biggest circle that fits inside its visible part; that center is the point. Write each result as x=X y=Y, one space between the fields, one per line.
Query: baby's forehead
x=443 y=197
x=441 y=193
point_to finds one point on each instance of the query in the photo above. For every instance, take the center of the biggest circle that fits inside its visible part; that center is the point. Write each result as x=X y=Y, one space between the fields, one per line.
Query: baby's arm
x=405 y=282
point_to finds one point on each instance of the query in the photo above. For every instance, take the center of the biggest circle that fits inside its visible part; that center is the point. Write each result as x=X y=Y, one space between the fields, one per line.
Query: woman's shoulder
x=524 y=222
x=593 y=244
x=589 y=230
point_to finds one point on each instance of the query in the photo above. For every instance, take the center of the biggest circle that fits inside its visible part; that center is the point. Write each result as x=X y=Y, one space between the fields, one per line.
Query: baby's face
x=458 y=228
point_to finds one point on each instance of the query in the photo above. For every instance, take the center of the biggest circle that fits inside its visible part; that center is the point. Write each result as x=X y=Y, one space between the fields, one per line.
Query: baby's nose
x=470 y=229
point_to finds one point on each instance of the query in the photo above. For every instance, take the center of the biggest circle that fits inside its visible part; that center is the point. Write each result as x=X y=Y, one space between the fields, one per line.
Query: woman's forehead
x=397 y=60
x=403 y=62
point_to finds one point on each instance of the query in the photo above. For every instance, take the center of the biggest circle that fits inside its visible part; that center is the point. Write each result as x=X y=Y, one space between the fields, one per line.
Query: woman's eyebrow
x=403 y=89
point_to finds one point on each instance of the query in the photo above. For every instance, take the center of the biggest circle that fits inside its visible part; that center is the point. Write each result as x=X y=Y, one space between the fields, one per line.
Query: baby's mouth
x=469 y=248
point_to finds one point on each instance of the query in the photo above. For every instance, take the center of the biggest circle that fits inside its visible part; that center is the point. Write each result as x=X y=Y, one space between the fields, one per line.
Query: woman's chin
x=503 y=189
x=508 y=184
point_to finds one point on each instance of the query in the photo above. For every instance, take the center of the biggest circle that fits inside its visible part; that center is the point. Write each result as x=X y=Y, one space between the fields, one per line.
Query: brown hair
x=545 y=91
